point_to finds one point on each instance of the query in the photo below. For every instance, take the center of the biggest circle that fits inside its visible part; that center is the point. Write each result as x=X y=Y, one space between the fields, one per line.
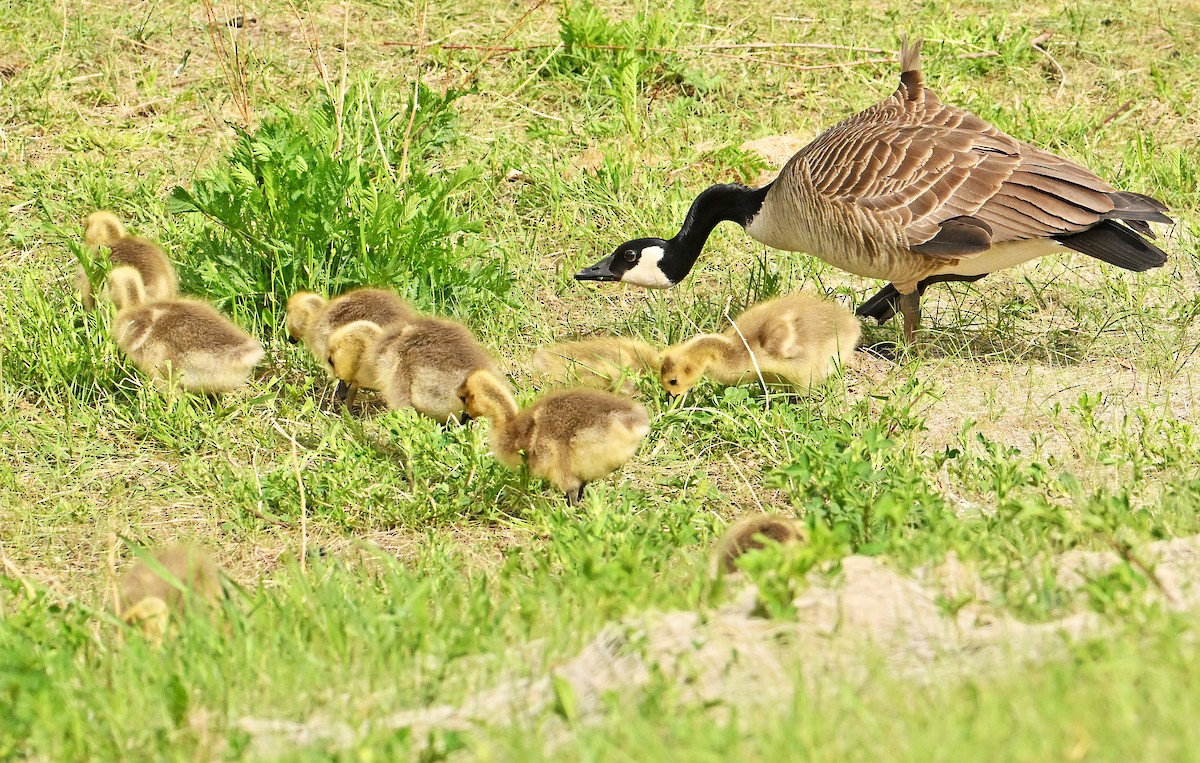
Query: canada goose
x=912 y=191
x=421 y=364
x=179 y=339
x=104 y=229
x=313 y=318
x=748 y=534
x=604 y=362
x=151 y=591
x=796 y=339
x=569 y=437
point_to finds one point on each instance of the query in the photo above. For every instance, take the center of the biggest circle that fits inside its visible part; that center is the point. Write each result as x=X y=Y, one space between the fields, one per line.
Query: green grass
x=1051 y=410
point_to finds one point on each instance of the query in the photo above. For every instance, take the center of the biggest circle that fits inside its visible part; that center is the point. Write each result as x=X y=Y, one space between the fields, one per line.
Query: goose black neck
x=715 y=205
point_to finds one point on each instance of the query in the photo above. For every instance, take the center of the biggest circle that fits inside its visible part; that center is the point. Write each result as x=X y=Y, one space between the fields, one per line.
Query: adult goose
x=913 y=191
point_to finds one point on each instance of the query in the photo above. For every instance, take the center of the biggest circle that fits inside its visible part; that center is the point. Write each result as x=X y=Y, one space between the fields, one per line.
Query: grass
x=384 y=564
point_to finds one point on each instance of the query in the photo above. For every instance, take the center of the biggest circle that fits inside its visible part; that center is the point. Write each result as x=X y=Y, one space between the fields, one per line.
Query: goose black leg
x=882 y=307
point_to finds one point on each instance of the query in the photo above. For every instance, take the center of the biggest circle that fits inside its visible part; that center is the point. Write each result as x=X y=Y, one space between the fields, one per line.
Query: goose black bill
x=601 y=271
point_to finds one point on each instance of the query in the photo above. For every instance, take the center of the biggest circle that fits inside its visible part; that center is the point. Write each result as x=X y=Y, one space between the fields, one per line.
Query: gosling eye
x=629 y=255
x=673 y=382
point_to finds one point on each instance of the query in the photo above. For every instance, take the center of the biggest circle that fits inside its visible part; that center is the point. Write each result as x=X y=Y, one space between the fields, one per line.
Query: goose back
x=912 y=186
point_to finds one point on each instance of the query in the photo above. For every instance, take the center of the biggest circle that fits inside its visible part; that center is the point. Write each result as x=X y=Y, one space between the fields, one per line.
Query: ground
x=381 y=567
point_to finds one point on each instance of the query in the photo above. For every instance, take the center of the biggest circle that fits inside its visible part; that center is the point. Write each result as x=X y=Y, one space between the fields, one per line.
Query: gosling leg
x=575 y=496
x=346 y=393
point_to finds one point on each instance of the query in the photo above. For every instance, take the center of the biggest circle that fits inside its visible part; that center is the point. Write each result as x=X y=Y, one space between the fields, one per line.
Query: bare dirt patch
x=863 y=617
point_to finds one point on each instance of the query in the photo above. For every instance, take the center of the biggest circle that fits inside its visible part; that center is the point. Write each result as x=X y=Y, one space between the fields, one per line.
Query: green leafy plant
x=856 y=481
x=291 y=211
x=781 y=572
x=622 y=58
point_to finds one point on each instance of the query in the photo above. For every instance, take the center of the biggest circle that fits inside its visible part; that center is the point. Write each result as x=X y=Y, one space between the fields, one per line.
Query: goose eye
x=629 y=255
x=673 y=382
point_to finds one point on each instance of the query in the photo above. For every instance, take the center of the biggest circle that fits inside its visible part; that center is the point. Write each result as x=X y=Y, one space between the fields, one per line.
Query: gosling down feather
x=153 y=590
x=104 y=229
x=797 y=340
x=422 y=364
x=181 y=340
x=752 y=533
x=313 y=318
x=912 y=191
x=605 y=362
x=569 y=437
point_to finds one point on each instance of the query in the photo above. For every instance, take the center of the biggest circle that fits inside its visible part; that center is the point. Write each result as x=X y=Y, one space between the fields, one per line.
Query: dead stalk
x=1037 y=43
x=753 y=359
x=233 y=59
x=406 y=144
x=303 y=500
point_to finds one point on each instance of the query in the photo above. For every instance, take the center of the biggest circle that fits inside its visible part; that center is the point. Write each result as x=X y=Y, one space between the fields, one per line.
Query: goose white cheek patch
x=646 y=273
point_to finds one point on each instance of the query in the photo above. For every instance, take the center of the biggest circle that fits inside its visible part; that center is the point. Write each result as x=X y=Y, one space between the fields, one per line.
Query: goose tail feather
x=1117 y=245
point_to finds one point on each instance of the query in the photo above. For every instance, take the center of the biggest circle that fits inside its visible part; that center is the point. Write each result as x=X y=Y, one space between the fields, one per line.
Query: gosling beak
x=601 y=271
x=342 y=392
x=293 y=339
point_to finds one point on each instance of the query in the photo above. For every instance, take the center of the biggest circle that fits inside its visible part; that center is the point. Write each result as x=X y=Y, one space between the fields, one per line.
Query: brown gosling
x=422 y=364
x=605 y=363
x=313 y=318
x=180 y=340
x=150 y=593
x=751 y=533
x=569 y=437
x=104 y=229
x=796 y=340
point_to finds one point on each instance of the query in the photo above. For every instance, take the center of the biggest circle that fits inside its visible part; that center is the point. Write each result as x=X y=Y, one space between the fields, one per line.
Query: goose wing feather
x=914 y=164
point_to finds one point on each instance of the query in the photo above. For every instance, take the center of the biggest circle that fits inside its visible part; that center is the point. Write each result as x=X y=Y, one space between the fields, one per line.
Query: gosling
x=421 y=365
x=150 y=593
x=182 y=341
x=796 y=340
x=605 y=363
x=104 y=229
x=313 y=318
x=752 y=533
x=569 y=437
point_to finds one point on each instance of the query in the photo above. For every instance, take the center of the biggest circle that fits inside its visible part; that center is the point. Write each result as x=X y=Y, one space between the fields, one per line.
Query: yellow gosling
x=796 y=340
x=569 y=437
x=312 y=318
x=181 y=341
x=422 y=364
x=104 y=229
x=605 y=363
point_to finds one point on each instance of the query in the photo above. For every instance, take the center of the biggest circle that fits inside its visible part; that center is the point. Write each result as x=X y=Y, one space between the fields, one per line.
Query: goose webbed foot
x=888 y=351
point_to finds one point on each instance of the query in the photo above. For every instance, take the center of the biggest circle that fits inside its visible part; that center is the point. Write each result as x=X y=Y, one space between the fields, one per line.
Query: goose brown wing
x=948 y=181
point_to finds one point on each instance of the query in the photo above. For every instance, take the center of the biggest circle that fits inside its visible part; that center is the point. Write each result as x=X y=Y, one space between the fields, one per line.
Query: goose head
x=485 y=396
x=656 y=263
x=102 y=228
x=639 y=262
